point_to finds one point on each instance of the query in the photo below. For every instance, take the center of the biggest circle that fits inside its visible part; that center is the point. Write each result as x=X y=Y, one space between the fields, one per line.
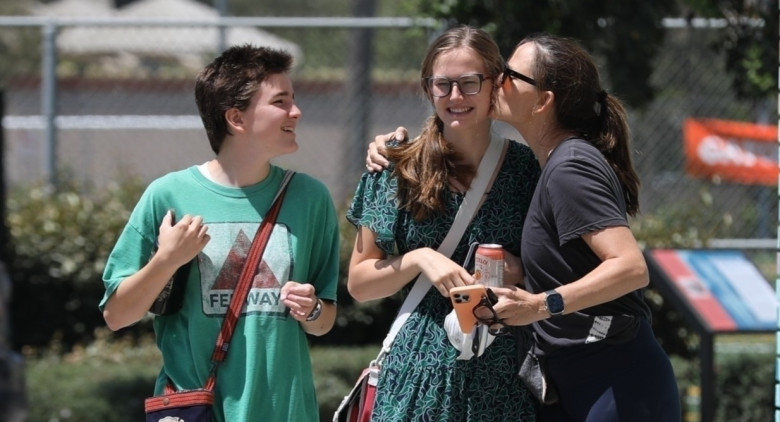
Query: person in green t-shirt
x=245 y=99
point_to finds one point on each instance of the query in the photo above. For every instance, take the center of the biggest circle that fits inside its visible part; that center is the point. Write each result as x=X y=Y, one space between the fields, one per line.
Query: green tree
x=750 y=44
x=628 y=34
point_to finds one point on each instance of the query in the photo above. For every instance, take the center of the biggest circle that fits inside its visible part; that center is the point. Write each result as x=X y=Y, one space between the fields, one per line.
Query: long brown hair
x=423 y=167
x=583 y=106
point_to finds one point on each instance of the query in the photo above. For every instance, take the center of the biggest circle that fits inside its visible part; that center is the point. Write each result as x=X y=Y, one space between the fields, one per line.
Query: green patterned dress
x=421 y=379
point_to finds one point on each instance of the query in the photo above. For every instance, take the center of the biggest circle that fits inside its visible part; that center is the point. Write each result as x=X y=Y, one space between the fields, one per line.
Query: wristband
x=315 y=313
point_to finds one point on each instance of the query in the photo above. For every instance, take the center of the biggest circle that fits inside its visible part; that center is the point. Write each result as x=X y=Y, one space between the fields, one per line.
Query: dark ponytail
x=613 y=141
x=584 y=107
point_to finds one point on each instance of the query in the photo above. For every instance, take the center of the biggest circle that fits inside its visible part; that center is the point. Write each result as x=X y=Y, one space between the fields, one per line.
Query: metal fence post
x=777 y=285
x=49 y=97
x=222 y=7
x=358 y=90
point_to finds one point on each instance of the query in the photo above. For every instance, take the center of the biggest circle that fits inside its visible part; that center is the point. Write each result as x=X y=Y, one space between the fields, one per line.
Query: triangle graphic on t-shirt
x=234 y=263
x=265 y=278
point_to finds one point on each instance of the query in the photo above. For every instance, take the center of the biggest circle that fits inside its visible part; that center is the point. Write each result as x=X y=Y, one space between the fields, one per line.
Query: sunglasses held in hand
x=485 y=314
x=474 y=304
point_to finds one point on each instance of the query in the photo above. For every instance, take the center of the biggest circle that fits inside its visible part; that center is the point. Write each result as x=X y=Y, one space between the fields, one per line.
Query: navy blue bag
x=188 y=405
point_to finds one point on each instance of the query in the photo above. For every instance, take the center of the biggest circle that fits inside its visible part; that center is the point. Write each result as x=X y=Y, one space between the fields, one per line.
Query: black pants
x=630 y=382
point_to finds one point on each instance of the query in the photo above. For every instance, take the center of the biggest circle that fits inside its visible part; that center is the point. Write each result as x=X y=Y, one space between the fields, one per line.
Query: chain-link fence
x=691 y=81
x=123 y=104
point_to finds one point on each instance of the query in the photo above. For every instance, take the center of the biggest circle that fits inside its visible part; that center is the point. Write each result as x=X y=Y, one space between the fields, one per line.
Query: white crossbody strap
x=487 y=167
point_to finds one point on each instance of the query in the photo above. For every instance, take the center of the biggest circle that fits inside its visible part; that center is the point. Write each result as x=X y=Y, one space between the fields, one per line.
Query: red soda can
x=489 y=265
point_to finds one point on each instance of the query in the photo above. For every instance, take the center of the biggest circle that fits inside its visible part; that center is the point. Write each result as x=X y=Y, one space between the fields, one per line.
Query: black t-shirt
x=578 y=193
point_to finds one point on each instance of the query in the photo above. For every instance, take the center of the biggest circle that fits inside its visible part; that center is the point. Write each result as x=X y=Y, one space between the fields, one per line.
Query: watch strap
x=316 y=312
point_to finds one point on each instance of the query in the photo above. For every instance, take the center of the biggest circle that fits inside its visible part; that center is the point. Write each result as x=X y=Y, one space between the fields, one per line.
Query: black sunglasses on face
x=510 y=73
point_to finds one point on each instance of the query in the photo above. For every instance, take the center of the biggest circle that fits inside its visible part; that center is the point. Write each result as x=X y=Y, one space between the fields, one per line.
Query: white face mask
x=471 y=344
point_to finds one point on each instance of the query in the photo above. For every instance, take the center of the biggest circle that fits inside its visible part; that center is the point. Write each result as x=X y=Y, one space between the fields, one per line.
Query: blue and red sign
x=723 y=288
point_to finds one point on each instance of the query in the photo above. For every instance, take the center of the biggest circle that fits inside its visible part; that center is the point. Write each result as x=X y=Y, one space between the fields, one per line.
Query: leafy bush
x=109 y=380
x=106 y=381
x=744 y=386
x=60 y=239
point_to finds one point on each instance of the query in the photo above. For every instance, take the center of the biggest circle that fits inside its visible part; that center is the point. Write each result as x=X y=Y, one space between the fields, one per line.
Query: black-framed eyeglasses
x=440 y=86
x=511 y=73
x=485 y=314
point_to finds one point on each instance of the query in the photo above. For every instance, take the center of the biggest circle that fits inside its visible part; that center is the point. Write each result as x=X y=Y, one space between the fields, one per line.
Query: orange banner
x=732 y=151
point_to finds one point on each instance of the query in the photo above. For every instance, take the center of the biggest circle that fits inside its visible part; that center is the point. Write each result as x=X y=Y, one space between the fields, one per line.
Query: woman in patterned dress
x=403 y=214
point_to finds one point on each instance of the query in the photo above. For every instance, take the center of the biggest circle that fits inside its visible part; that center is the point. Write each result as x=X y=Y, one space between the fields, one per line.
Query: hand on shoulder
x=376 y=155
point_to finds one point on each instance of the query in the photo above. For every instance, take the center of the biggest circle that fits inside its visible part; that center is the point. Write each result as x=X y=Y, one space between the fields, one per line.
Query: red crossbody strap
x=245 y=281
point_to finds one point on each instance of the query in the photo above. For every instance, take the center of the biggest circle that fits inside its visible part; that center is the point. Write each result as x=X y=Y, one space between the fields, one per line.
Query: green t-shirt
x=267 y=374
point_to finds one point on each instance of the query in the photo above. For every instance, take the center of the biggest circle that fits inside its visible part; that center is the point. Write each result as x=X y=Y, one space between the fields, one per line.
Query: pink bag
x=358 y=404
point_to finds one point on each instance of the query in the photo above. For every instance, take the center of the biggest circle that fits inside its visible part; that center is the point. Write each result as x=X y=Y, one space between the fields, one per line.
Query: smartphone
x=171 y=297
x=464 y=300
x=173 y=222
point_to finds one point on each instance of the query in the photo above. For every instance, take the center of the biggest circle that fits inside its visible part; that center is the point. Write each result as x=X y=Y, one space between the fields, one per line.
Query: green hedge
x=744 y=387
x=60 y=241
x=108 y=381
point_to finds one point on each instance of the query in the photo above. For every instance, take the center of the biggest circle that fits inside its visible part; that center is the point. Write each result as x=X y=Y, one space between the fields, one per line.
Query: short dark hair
x=231 y=80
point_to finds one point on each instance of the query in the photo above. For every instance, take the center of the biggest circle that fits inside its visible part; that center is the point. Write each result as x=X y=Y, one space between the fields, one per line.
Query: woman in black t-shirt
x=583 y=268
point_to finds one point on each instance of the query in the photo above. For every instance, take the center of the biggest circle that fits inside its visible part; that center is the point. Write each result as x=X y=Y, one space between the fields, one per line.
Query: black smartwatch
x=553 y=303
x=315 y=313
